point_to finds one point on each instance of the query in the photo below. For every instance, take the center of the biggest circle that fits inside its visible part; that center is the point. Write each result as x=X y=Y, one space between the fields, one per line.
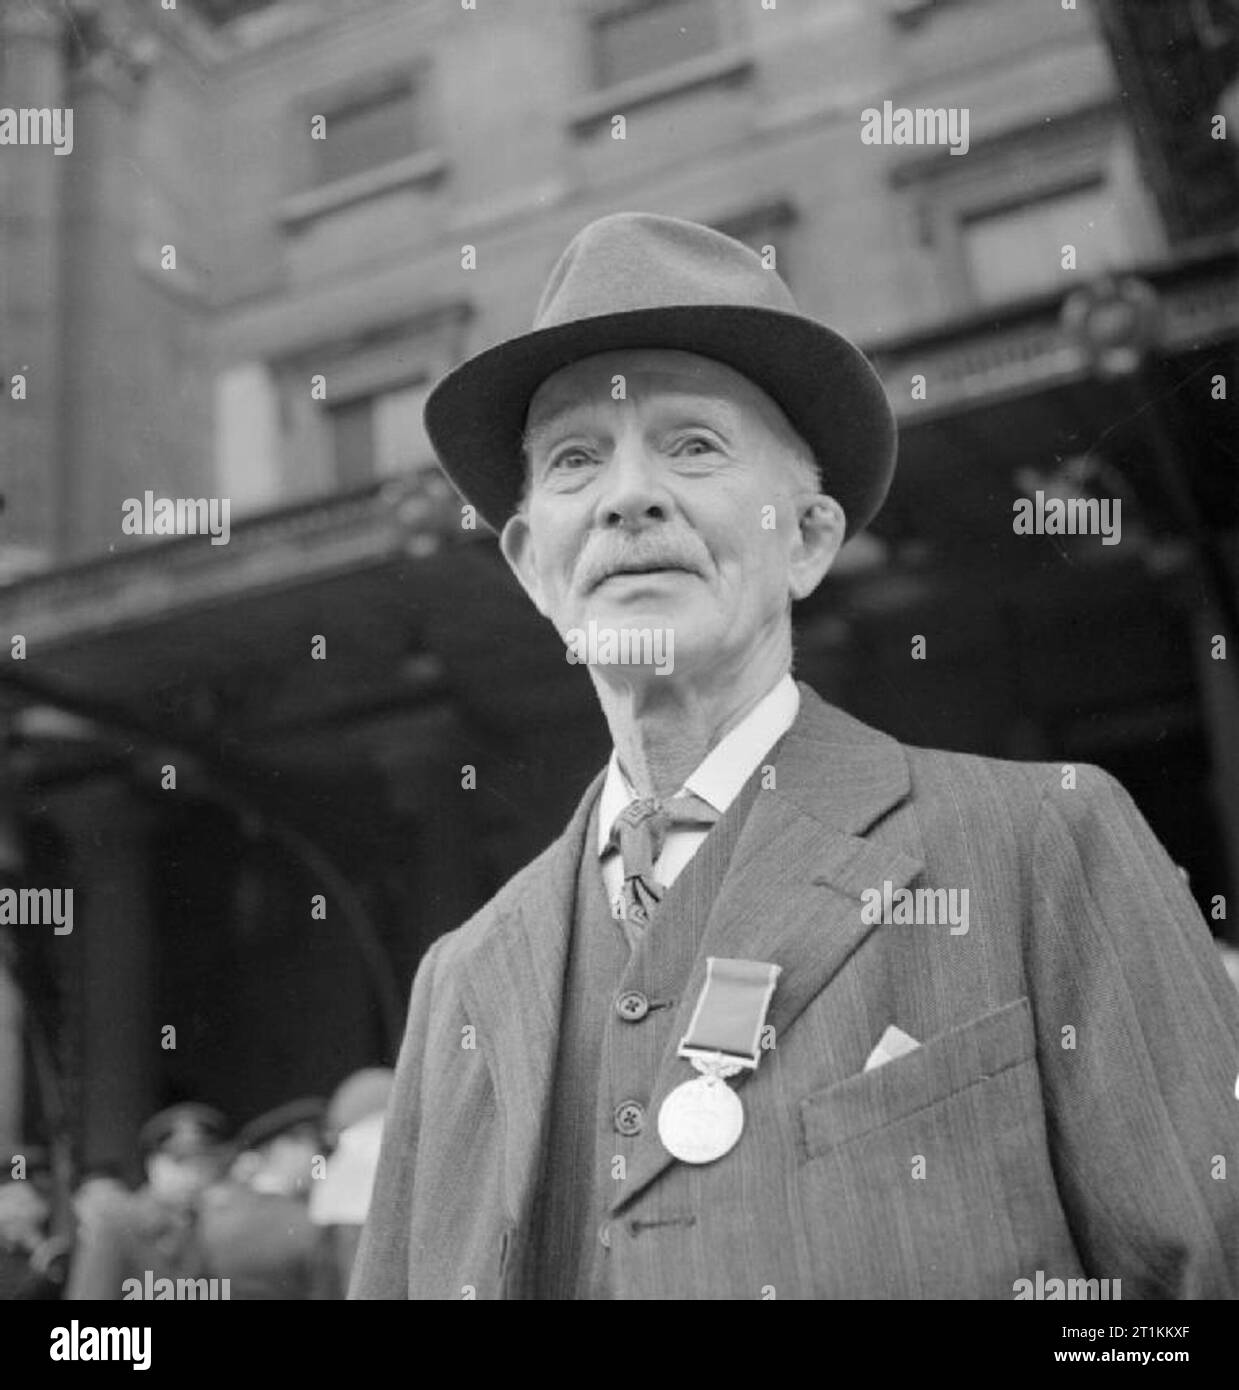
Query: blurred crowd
x=274 y=1209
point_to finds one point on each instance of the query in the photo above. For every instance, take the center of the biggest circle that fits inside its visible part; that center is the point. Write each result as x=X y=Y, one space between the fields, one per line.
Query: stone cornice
x=1002 y=353
x=278 y=550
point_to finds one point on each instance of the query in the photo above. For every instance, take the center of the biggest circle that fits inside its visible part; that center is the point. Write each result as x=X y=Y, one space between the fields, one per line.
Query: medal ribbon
x=731 y=1009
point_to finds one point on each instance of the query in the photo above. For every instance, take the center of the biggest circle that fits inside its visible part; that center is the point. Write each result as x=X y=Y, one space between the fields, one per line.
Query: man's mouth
x=650 y=568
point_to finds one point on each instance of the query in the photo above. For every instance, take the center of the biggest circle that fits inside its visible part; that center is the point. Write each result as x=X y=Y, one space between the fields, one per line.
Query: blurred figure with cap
x=155 y=1229
x=341 y=1200
x=256 y=1230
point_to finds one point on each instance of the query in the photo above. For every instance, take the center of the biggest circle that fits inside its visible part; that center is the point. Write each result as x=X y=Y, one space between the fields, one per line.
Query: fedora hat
x=637 y=280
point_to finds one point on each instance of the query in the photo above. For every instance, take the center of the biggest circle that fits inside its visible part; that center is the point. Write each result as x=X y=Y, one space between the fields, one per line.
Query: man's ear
x=820 y=528
x=516 y=545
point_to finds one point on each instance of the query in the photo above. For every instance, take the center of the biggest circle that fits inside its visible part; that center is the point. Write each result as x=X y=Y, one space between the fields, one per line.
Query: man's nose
x=633 y=489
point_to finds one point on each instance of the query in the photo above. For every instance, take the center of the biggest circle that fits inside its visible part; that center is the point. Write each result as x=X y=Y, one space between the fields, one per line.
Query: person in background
x=339 y=1202
x=33 y=1264
x=125 y=1235
x=256 y=1230
x=96 y=1190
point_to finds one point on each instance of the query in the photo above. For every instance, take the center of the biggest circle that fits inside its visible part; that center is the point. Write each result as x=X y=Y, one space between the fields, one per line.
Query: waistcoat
x=615 y=1022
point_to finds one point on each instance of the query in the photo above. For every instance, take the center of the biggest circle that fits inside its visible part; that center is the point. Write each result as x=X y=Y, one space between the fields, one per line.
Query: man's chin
x=652 y=612
x=637 y=616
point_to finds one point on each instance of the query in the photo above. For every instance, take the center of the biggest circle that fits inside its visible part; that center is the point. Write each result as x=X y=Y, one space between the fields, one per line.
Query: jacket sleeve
x=1139 y=1044
x=381 y=1269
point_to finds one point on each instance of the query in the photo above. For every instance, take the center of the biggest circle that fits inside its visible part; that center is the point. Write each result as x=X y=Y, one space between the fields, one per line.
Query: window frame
x=1017 y=168
x=603 y=12
x=729 y=63
x=1086 y=182
x=424 y=165
x=418 y=347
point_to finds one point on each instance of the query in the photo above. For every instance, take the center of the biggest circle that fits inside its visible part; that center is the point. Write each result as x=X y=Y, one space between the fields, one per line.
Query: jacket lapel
x=792 y=890
x=512 y=984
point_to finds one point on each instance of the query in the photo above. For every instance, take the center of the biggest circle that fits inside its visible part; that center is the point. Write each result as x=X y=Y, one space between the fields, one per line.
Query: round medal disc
x=700 y=1120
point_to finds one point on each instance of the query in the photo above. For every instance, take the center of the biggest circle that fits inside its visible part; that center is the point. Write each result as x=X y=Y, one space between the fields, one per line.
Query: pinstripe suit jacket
x=1071 y=1108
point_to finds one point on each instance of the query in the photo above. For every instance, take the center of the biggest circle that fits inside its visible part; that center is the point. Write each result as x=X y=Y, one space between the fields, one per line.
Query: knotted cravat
x=638 y=833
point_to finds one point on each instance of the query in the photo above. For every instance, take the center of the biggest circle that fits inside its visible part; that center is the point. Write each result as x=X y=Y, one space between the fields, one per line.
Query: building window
x=633 y=39
x=996 y=222
x=361 y=421
x=380 y=436
x=1018 y=250
x=369 y=129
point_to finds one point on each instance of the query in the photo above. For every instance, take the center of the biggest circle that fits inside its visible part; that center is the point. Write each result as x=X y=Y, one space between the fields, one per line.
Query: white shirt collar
x=725 y=768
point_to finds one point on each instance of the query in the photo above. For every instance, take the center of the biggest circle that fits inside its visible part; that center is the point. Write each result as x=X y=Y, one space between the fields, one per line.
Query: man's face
x=684 y=505
x=181 y=1178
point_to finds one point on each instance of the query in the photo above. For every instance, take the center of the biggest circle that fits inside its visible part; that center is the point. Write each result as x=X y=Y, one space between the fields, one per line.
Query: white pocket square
x=893 y=1043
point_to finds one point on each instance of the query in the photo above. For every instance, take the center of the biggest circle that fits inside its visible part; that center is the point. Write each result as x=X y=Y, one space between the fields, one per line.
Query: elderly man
x=789 y=1010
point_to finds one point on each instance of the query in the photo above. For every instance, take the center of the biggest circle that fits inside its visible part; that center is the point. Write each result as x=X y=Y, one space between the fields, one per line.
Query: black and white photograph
x=619 y=664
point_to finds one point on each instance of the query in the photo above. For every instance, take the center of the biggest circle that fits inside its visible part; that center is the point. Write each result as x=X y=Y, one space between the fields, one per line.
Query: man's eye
x=571 y=460
x=694 y=444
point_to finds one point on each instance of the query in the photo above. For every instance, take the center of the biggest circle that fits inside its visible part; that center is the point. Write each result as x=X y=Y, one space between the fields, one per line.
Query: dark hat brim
x=272 y=1123
x=831 y=395
x=186 y=1128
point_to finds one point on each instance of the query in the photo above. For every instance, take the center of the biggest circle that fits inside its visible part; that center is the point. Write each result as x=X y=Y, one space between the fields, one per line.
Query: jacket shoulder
x=973 y=783
x=1037 y=778
x=965 y=784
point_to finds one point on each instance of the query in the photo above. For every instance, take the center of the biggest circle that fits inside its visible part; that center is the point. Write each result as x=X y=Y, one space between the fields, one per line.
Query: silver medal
x=701 y=1119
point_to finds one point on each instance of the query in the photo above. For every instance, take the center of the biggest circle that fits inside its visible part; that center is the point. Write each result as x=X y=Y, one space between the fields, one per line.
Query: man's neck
x=662 y=730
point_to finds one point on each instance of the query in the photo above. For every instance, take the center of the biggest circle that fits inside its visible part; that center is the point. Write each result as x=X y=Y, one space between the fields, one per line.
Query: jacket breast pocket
x=942 y=1067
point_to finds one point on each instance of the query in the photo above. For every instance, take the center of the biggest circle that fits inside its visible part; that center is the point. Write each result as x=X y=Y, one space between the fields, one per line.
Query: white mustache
x=637 y=557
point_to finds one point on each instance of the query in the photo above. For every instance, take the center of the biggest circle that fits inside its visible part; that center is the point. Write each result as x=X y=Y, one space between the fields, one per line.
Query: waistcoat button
x=632 y=1006
x=629 y=1117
